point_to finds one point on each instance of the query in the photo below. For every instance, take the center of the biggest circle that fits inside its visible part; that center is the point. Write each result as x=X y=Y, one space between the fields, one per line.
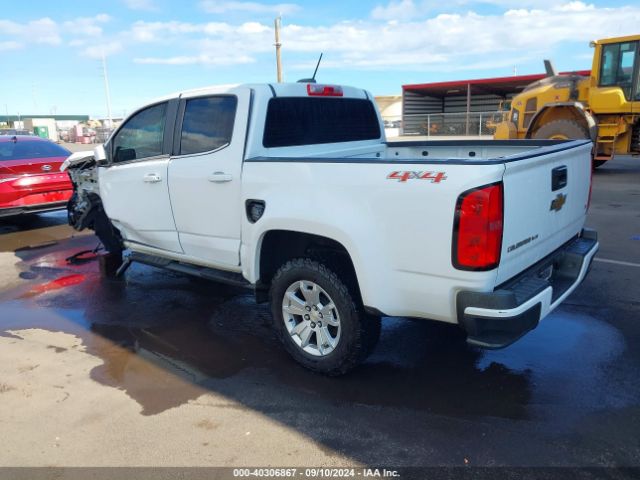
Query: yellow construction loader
x=604 y=106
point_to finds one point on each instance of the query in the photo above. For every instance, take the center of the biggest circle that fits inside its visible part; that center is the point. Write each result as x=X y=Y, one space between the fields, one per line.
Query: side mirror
x=100 y=156
x=124 y=154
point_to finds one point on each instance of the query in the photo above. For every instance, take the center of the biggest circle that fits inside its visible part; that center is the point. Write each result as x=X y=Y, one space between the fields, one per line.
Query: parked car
x=30 y=176
x=14 y=131
x=292 y=190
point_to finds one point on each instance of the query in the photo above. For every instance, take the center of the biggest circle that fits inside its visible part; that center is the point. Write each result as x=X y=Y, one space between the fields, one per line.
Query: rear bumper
x=497 y=319
x=25 y=209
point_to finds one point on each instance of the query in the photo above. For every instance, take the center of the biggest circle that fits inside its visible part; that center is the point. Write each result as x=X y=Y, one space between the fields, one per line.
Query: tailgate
x=546 y=195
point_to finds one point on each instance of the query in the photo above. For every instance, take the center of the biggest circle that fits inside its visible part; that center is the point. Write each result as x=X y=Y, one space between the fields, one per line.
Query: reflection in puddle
x=62 y=282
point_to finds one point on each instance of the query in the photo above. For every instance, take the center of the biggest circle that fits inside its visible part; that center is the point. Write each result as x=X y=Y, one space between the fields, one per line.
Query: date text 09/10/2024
x=315 y=472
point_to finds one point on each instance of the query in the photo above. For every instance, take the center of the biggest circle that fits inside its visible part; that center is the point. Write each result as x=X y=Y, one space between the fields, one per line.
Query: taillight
x=315 y=90
x=477 y=229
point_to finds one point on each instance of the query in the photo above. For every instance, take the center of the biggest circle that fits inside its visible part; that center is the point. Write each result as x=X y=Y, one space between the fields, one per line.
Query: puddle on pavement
x=165 y=339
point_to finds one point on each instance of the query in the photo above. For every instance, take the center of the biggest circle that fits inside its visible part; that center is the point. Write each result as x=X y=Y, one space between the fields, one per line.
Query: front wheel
x=317 y=319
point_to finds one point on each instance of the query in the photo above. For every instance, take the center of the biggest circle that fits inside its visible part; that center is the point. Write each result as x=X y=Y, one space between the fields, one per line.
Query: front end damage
x=85 y=209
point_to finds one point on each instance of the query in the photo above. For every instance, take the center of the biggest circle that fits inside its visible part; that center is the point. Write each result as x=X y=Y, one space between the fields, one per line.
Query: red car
x=30 y=177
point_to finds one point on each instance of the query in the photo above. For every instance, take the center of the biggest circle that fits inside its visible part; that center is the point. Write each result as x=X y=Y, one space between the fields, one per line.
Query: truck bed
x=396 y=203
x=497 y=151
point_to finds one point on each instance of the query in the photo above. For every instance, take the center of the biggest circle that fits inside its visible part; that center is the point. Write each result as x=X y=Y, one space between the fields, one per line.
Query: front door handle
x=220 y=177
x=152 y=178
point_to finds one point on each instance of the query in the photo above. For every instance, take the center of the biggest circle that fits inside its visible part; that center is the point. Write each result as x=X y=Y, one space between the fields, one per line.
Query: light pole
x=106 y=89
x=278 y=46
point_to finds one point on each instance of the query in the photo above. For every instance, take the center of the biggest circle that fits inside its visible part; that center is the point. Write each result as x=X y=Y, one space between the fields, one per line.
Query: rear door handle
x=152 y=178
x=220 y=177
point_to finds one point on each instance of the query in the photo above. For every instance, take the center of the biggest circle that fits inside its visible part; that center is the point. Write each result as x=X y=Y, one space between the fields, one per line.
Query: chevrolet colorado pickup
x=292 y=190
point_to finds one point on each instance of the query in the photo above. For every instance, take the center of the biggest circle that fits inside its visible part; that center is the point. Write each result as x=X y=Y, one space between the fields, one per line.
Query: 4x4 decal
x=434 y=177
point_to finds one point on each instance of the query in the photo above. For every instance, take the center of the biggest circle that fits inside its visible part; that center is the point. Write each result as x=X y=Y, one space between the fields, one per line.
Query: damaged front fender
x=85 y=209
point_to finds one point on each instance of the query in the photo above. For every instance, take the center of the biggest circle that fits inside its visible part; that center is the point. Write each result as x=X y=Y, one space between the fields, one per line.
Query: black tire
x=359 y=332
x=566 y=128
x=598 y=163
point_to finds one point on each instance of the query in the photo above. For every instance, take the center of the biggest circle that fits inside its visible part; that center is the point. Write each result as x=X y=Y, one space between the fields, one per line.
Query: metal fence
x=102 y=134
x=453 y=124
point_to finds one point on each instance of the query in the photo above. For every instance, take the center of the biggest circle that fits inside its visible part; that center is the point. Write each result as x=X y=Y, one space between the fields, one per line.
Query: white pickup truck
x=293 y=191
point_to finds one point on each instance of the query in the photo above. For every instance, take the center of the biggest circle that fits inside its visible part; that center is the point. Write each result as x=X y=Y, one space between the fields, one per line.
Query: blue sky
x=51 y=50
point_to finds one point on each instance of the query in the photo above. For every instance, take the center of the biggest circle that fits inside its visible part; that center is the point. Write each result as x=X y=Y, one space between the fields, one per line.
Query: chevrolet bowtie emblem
x=558 y=202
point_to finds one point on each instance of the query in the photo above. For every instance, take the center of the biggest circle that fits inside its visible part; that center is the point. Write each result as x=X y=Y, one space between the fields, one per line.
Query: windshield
x=27 y=149
x=617 y=66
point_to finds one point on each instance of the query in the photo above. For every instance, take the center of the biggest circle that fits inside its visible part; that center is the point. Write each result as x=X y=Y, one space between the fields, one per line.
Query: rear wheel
x=598 y=163
x=317 y=319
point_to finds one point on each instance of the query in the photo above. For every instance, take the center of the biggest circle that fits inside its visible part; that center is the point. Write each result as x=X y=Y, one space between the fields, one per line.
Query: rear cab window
x=207 y=124
x=295 y=121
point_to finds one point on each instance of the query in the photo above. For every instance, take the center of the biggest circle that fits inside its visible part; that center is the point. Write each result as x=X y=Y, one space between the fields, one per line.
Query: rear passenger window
x=306 y=121
x=207 y=124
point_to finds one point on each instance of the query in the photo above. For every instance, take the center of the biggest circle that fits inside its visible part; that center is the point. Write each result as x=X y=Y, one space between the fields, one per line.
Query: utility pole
x=278 y=45
x=106 y=89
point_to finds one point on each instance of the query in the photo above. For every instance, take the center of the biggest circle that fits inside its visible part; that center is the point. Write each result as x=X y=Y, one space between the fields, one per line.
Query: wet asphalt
x=567 y=394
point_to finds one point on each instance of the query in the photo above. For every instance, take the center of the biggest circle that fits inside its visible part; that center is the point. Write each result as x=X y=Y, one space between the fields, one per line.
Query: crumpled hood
x=75 y=158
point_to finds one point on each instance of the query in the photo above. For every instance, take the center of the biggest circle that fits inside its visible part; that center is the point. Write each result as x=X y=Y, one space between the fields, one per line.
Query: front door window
x=141 y=136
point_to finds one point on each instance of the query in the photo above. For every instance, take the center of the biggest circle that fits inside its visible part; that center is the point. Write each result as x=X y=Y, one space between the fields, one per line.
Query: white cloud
x=218 y=7
x=202 y=59
x=395 y=10
x=168 y=32
x=105 y=48
x=445 y=42
x=10 y=45
x=49 y=32
x=388 y=39
x=418 y=9
x=147 y=5
x=43 y=30
x=87 y=26
x=574 y=7
x=217 y=28
x=161 y=31
x=253 y=27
